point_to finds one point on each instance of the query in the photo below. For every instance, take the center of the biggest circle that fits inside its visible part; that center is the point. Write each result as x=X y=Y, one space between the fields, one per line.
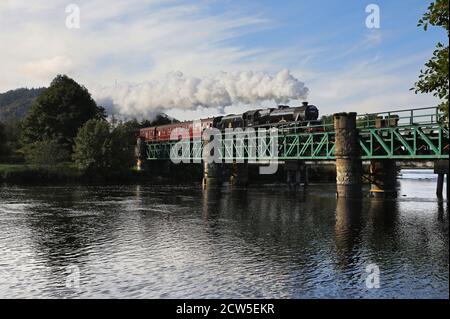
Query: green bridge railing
x=411 y=134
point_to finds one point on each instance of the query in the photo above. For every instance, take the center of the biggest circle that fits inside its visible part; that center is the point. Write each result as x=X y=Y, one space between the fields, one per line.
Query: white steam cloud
x=177 y=91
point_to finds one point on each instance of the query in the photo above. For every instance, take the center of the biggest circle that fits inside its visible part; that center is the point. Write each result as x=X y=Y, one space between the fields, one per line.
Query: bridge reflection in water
x=177 y=241
x=384 y=232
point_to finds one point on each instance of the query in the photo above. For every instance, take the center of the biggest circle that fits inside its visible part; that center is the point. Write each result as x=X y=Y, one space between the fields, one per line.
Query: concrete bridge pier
x=348 y=161
x=212 y=174
x=296 y=173
x=305 y=175
x=440 y=185
x=383 y=175
x=140 y=154
x=141 y=165
x=239 y=174
x=441 y=168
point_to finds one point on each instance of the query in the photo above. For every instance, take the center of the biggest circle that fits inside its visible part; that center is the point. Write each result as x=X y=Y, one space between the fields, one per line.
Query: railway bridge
x=383 y=139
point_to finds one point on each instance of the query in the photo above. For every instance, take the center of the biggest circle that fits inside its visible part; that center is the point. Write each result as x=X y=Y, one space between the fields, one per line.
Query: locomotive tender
x=283 y=116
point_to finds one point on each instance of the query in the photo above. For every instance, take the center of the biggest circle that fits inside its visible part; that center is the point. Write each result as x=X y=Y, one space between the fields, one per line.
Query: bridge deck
x=404 y=135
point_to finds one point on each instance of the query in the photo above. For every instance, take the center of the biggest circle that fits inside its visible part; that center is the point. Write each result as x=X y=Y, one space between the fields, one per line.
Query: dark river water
x=259 y=242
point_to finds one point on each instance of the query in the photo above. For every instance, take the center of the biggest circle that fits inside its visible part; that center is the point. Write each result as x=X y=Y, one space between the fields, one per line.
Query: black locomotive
x=282 y=116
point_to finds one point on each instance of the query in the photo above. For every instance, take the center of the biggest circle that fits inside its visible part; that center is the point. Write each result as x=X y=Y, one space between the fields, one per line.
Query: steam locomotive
x=283 y=117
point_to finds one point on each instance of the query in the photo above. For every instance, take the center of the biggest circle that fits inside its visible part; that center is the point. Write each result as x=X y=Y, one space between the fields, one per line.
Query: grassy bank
x=29 y=174
x=155 y=173
x=68 y=174
x=22 y=173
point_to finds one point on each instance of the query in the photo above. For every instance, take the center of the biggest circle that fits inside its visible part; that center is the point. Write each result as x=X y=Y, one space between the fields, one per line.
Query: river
x=150 y=241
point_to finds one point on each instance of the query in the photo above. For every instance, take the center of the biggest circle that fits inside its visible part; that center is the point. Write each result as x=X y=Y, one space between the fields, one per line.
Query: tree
x=99 y=149
x=367 y=120
x=15 y=104
x=59 y=112
x=434 y=78
x=327 y=121
x=123 y=141
x=3 y=142
x=46 y=153
x=12 y=138
x=92 y=147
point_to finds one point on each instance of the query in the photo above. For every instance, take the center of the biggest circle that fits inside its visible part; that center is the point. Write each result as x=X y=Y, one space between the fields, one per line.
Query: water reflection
x=383 y=214
x=349 y=224
x=383 y=221
x=265 y=241
x=64 y=229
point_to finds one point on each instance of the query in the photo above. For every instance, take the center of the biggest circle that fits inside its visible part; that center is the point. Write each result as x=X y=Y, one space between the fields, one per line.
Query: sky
x=192 y=59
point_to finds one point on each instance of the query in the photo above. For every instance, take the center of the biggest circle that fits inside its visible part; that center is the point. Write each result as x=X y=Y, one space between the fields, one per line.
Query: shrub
x=46 y=153
x=101 y=150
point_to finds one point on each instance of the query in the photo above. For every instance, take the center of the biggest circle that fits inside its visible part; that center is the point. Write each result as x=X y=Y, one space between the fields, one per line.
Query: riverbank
x=29 y=174
x=155 y=173
x=61 y=174
x=23 y=174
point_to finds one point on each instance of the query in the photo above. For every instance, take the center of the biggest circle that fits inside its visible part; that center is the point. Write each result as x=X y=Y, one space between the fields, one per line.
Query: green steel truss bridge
x=412 y=134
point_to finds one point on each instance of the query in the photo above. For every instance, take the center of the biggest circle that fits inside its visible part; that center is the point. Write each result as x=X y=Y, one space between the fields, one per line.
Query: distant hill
x=14 y=104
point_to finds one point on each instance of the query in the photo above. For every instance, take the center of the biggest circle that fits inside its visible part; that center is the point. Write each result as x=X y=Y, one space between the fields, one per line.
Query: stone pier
x=140 y=154
x=296 y=173
x=383 y=175
x=239 y=174
x=441 y=168
x=348 y=161
x=212 y=174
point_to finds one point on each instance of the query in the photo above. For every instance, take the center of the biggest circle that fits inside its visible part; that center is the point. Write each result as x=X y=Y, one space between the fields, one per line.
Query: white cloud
x=45 y=68
x=136 y=41
x=186 y=92
x=128 y=41
x=371 y=86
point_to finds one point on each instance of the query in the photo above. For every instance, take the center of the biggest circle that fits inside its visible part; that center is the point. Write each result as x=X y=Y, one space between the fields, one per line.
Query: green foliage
x=31 y=174
x=101 y=149
x=3 y=146
x=12 y=133
x=435 y=78
x=15 y=104
x=9 y=139
x=122 y=148
x=92 y=147
x=437 y=15
x=46 y=153
x=327 y=121
x=59 y=112
x=367 y=120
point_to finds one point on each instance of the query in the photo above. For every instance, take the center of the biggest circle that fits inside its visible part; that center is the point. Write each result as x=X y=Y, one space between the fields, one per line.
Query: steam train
x=283 y=116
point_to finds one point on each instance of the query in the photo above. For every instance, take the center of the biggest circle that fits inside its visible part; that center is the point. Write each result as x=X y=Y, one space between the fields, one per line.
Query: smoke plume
x=179 y=91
